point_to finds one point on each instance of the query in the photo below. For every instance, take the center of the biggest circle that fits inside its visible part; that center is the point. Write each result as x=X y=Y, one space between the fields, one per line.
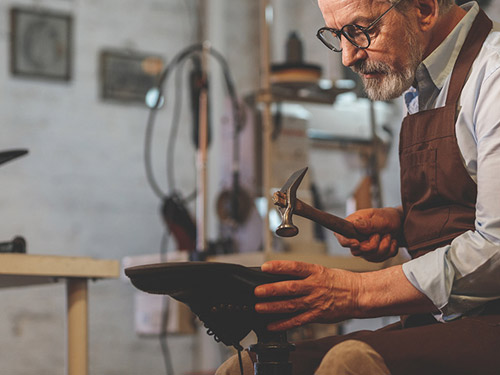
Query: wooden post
x=77 y=325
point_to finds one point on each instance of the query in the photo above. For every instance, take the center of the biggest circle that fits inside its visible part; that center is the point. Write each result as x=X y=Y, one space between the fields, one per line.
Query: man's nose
x=351 y=54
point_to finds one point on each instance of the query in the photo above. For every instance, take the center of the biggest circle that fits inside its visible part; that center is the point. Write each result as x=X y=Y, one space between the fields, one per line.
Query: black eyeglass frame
x=364 y=30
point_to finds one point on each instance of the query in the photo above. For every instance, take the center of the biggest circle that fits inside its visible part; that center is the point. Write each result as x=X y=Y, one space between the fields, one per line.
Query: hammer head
x=287 y=228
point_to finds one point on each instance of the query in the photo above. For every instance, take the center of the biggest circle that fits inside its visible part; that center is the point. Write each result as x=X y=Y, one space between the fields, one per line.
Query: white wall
x=82 y=189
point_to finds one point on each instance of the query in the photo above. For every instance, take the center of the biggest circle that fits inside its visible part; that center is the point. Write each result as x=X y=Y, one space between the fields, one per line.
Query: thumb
x=362 y=226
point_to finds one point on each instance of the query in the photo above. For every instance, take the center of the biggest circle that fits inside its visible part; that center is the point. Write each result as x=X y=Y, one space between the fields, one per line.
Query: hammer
x=288 y=204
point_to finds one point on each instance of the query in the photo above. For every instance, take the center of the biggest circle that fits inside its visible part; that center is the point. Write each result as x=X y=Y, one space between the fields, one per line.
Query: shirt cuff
x=431 y=275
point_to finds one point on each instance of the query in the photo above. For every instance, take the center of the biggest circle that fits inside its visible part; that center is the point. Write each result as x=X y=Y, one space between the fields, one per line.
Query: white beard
x=393 y=83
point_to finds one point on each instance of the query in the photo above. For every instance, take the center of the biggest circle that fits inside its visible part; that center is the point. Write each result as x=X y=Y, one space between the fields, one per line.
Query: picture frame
x=40 y=43
x=127 y=76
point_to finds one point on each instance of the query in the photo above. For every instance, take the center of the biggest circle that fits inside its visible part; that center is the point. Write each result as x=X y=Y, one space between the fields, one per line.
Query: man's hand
x=323 y=295
x=382 y=225
x=328 y=295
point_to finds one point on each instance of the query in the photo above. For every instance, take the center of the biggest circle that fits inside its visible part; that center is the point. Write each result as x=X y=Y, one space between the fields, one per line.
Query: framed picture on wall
x=127 y=76
x=40 y=43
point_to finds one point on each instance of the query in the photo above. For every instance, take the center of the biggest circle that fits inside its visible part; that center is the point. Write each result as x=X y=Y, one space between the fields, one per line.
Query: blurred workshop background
x=108 y=177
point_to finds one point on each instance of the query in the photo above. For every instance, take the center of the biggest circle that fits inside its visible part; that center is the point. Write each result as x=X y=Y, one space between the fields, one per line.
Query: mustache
x=364 y=67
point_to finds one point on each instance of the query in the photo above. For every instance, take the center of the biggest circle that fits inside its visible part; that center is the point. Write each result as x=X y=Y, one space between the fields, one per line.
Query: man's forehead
x=349 y=11
x=342 y=3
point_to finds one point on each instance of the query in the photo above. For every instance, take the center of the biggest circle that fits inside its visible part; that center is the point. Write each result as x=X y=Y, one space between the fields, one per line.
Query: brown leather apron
x=437 y=192
x=438 y=198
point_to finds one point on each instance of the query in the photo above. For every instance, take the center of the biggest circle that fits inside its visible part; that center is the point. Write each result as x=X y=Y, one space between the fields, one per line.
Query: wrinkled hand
x=382 y=225
x=323 y=295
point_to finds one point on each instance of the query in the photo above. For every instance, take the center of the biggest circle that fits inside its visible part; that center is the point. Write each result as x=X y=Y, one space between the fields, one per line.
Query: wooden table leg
x=77 y=315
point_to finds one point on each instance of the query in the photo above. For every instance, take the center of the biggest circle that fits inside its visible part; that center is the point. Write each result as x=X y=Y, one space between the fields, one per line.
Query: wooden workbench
x=348 y=262
x=27 y=269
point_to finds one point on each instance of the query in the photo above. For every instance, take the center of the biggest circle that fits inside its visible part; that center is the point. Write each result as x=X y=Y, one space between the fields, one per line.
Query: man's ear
x=427 y=13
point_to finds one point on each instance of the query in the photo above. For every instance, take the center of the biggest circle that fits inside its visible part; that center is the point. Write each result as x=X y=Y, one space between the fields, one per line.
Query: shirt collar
x=439 y=64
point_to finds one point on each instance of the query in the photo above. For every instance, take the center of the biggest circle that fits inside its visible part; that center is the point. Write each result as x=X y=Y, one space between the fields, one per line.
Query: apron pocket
x=425 y=216
x=418 y=179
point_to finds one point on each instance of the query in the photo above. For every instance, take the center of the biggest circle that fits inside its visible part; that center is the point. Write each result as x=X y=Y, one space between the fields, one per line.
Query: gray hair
x=444 y=5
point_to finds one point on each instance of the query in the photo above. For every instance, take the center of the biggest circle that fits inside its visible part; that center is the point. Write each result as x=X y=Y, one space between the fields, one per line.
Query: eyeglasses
x=358 y=35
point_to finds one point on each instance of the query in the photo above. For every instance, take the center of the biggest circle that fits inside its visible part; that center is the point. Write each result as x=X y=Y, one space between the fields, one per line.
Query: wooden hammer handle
x=329 y=221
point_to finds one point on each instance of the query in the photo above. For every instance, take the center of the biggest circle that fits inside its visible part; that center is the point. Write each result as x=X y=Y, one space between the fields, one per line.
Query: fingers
x=303 y=307
x=377 y=220
x=312 y=298
x=365 y=226
x=363 y=223
x=385 y=243
x=372 y=244
x=394 y=247
x=286 y=288
x=377 y=249
x=351 y=243
x=299 y=269
x=309 y=275
x=283 y=289
x=283 y=307
x=388 y=247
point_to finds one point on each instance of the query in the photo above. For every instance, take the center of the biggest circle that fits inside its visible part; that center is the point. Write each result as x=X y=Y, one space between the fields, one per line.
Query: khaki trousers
x=468 y=346
x=350 y=357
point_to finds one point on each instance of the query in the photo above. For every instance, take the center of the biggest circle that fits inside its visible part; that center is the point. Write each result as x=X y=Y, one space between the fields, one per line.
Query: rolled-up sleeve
x=466 y=274
x=460 y=277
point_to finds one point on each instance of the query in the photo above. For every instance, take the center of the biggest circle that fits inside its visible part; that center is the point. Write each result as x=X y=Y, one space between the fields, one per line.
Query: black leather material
x=220 y=294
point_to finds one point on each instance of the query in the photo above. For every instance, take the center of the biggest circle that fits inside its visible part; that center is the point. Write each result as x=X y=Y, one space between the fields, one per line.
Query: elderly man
x=446 y=61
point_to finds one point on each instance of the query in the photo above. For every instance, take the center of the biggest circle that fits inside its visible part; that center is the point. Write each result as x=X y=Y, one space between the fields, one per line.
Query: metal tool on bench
x=288 y=204
x=18 y=243
x=6 y=156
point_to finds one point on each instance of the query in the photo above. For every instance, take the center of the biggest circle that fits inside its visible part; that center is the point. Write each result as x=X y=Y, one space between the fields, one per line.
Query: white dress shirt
x=463 y=276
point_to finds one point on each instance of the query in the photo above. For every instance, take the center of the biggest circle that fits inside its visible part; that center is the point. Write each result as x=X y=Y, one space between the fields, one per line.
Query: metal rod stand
x=273 y=352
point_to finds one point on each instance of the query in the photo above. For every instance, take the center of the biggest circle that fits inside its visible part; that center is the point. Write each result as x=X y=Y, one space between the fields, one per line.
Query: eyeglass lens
x=330 y=39
x=356 y=35
x=353 y=33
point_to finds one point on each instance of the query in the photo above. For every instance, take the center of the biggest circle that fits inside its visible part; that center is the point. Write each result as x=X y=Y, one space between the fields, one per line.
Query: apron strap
x=477 y=35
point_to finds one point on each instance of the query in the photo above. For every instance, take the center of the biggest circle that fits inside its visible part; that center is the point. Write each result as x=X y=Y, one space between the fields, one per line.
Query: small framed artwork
x=40 y=43
x=127 y=76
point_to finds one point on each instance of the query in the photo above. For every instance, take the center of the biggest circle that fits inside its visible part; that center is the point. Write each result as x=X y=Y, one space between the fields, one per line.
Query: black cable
x=151 y=117
x=178 y=61
x=240 y=360
x=147 y=156
x=167 y=358
x=163 y=337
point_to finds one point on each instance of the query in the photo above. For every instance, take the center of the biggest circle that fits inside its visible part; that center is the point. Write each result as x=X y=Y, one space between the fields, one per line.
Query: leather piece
x=220 y=294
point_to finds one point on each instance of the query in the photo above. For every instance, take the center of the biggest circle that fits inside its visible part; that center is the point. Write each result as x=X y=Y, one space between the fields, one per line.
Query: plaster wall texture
x=82 y=189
